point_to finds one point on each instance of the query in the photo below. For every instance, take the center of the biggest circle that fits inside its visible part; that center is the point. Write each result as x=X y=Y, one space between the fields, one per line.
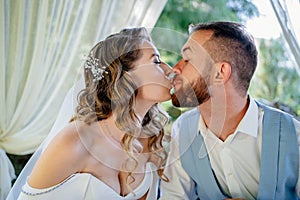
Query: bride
x=112 y=147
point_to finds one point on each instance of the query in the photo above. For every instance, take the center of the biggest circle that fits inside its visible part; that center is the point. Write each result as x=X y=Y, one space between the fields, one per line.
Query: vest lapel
x=209 y=188
x=195 y=160
x=269 y=155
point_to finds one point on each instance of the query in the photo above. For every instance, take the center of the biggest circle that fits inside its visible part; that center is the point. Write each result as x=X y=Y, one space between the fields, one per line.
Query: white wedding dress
x=86 y=186
x=81 y=186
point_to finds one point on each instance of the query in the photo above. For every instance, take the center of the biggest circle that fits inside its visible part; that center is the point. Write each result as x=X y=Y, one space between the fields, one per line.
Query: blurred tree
x=178 y=14
x=276 y=79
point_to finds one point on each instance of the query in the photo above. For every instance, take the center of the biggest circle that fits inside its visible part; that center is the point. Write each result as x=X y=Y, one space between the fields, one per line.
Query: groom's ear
x=223 y=72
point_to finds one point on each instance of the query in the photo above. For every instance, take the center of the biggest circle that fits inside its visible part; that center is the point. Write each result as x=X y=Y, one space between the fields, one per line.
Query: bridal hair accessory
x=93 y=64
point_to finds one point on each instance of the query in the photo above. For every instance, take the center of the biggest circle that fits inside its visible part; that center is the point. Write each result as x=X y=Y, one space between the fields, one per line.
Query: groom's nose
x=178 y=67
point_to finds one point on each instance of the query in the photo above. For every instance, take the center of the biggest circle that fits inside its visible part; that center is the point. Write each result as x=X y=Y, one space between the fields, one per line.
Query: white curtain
x=287 y=13
x=41 y=45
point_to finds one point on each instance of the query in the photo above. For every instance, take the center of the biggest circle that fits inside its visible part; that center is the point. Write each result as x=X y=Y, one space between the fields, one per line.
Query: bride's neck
x=141 y=107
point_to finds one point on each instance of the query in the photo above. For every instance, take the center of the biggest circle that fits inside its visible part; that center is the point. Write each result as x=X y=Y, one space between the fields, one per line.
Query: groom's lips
x=176 y=82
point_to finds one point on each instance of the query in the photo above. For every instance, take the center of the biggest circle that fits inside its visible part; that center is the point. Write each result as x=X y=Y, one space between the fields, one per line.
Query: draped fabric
x=41 y=45
x=287 y=15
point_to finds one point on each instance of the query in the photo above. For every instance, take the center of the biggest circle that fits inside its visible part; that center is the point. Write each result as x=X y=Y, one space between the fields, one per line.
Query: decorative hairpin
x=93 y=64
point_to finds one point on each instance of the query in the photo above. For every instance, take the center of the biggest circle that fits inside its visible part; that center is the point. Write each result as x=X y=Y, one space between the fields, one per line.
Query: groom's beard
x=191 y=95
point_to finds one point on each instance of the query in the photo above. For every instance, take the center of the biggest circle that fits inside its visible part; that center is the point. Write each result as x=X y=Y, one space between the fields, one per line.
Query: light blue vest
x=279 y=157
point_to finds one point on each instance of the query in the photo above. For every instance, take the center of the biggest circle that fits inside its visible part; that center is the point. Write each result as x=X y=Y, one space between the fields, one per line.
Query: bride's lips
x=171 y=76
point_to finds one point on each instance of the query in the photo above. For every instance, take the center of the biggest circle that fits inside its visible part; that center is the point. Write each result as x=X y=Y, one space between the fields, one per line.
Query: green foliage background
x=276 y=79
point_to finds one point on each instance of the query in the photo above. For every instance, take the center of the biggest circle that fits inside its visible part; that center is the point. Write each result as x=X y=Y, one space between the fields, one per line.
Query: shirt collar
x=202 y=127
x=249 y=124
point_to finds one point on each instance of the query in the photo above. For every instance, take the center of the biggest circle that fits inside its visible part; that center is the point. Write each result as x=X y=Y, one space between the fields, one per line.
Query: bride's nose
x=167 y=70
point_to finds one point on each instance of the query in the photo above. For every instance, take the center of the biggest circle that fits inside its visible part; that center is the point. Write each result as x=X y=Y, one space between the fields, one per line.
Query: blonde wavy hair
x=116 y=92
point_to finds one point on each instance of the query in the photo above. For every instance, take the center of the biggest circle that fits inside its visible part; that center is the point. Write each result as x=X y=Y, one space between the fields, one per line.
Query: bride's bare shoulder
x=65 y=155
x=69 y=138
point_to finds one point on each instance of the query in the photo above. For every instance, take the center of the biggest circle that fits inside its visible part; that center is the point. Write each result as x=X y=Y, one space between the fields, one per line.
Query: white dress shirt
x=235 y=162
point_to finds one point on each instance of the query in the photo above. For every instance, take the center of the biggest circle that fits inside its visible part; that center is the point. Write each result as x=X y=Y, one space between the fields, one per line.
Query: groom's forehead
x=196 y=41
x=200 y=37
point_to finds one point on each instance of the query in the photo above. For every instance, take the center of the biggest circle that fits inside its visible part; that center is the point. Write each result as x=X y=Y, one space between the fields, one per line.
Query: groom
x=230 y=145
